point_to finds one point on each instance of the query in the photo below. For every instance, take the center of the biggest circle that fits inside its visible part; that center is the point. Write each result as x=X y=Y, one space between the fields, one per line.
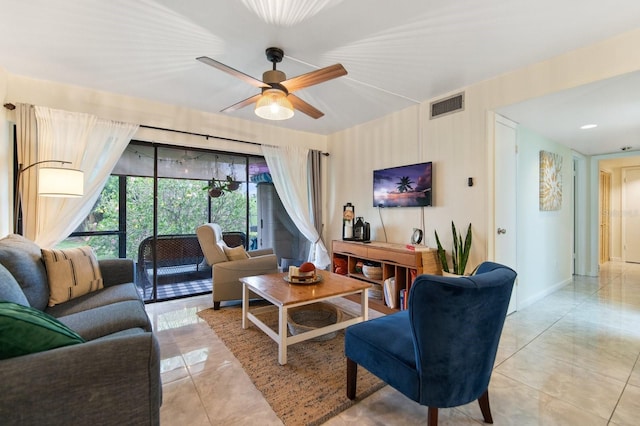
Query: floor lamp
x=52 y=182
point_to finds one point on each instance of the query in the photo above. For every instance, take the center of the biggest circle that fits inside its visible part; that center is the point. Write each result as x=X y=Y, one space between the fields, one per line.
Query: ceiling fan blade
x=304 y=107
x=234 y=72
x=242 y=104
x=314 y=77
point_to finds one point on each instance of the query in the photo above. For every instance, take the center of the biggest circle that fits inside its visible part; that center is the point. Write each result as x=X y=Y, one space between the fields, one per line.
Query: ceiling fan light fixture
x=274 y=105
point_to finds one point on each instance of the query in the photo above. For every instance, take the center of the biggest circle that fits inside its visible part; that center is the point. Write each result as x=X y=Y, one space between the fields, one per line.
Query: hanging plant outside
x=217 y=188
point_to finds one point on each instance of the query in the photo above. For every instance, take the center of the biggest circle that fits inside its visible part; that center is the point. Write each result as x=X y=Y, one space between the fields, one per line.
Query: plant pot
x=233 y=185
x=215 y=192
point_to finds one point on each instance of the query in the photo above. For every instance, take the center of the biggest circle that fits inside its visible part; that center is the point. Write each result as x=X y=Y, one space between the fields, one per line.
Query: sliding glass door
x=152 y=204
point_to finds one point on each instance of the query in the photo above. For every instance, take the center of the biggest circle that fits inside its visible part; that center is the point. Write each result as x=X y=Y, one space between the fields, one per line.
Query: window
x=158 y=191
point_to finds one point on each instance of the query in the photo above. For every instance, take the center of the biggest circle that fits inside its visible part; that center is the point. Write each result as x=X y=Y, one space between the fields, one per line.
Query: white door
x=631 y=214
x=505 y=181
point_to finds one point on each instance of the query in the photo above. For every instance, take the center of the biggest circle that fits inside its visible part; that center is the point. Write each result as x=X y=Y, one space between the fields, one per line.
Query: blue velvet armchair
x=440 y=351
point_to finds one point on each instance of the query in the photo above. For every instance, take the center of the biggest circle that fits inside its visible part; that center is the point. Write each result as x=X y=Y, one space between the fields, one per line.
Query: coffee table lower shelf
x=282 y=337
x=273 y=289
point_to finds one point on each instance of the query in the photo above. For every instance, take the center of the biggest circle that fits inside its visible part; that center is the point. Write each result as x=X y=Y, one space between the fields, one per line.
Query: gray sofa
x=112 y=378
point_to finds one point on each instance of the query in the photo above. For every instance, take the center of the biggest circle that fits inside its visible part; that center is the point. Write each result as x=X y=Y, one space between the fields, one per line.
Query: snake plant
x=459 y=254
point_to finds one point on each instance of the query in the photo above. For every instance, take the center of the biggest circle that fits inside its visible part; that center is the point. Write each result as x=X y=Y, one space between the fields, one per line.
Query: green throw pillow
x=25 y=330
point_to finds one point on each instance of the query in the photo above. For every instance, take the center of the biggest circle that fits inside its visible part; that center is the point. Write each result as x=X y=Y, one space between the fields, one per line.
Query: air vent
x=448 y=105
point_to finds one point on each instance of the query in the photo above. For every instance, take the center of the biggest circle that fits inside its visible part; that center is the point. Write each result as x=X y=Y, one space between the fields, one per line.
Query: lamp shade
x=274 y=105
x=60 y=182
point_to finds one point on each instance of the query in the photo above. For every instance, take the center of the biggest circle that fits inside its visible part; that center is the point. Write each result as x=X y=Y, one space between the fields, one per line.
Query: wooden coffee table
x=284 y=296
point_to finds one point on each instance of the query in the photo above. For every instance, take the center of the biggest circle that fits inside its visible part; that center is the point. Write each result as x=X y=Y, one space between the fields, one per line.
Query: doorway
x=630 y=214
x=605 y=217
x=505 y=208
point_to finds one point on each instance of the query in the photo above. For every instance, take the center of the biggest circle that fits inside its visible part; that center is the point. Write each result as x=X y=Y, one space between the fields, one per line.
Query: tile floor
x=569 y=359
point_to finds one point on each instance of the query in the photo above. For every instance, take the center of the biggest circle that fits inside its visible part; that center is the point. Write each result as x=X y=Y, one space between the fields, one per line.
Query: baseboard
x=547 y=291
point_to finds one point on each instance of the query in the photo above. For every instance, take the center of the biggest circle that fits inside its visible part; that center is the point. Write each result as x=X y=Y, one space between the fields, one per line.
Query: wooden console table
x=396 y=260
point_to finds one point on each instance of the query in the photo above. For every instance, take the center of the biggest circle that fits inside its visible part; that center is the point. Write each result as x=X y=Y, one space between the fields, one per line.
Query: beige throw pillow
x=236 y=253
x=71 y=273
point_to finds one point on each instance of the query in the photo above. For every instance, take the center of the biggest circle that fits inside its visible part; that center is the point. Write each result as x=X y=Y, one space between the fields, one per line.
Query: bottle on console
x=358 y=229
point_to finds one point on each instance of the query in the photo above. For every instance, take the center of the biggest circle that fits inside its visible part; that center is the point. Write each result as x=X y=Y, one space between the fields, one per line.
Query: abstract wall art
x=550 y=181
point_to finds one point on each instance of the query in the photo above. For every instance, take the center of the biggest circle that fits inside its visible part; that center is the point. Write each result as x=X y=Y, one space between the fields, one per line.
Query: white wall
x=545 y=238
x=582 y=214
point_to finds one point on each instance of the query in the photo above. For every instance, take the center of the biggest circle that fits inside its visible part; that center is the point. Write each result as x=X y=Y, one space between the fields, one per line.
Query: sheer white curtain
x=92 y=145
x=289 y=169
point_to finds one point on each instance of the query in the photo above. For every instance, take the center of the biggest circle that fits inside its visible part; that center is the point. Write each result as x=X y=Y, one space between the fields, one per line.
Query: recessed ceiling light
x=588 y=126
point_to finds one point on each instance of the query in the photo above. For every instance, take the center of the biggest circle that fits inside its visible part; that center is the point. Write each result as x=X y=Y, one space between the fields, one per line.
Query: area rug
x=310 y=388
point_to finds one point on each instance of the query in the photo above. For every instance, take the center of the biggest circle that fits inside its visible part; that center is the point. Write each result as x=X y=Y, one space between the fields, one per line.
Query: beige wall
x=123 y=108
x=19 y=89
x=616 y=167
x=615 y=249
x=6 y=162
x=461 y=146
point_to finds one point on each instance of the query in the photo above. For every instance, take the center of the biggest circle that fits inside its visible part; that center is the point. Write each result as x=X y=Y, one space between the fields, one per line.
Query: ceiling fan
x=277 y=101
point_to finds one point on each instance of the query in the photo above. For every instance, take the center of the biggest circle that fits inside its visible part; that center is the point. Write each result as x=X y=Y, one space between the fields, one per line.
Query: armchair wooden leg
x=484 y=407
x=352 y=378
x=216 y=306
x=432 y=416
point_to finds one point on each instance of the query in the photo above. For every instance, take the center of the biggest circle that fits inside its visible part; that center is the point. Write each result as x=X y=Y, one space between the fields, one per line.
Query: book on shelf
x=390 y=292
x=403 y=298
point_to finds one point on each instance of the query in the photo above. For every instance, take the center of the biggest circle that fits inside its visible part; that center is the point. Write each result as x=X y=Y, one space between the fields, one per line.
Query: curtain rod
x=11 y=107
x=184 y=132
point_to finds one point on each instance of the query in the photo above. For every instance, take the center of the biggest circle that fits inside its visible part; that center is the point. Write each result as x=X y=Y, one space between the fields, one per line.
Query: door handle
x=502 y=231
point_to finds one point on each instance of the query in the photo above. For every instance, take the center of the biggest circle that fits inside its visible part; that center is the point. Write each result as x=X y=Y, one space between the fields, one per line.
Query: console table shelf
x=397 y=260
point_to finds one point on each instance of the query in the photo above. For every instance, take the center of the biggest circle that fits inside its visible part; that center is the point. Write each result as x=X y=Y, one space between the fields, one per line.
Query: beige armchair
x=226 y=273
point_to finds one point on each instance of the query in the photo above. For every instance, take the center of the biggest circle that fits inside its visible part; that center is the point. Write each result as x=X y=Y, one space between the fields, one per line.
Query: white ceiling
x=612 y=104
x=397 y=53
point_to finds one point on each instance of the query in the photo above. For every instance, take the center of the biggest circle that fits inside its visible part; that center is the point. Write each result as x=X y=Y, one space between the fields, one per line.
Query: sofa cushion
x=23 y=259
x=71 y=273
x=10 y=290
x=102 y=297
x=116 y=271
x=105 y=320
x=123 y=333
x=235 y=253
x=25 y=330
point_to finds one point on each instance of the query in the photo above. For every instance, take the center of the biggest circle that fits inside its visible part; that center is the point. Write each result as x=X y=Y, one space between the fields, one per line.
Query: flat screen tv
x=403 y=186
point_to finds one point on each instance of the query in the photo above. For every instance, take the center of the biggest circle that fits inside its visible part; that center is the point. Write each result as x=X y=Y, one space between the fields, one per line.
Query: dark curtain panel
x=315 y=162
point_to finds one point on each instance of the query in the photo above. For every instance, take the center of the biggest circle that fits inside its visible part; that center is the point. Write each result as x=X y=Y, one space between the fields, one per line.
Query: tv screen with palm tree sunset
x=403 y=186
